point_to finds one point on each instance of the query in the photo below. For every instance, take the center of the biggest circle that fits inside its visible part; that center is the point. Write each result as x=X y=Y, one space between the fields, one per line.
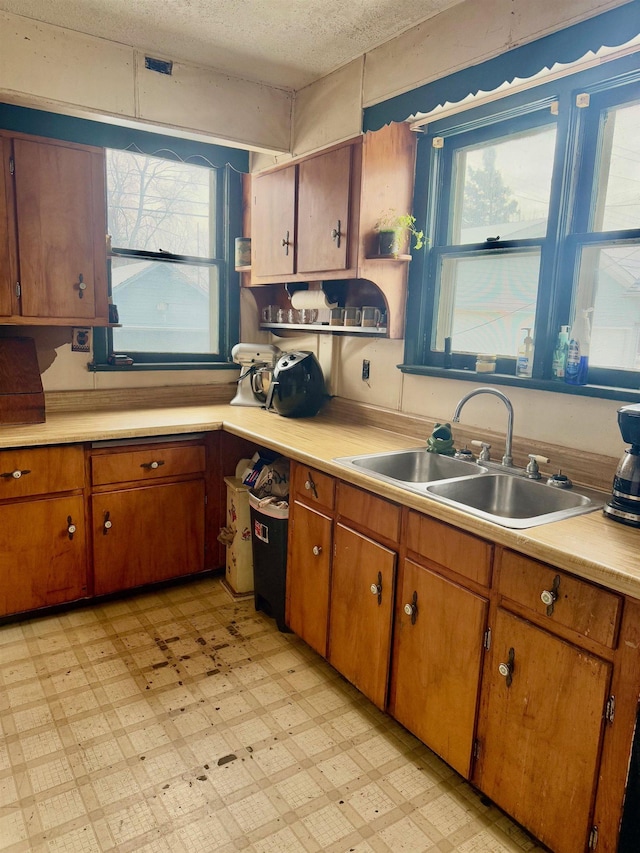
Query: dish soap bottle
x=559 y=362
x=524 y=364
x=578 y=354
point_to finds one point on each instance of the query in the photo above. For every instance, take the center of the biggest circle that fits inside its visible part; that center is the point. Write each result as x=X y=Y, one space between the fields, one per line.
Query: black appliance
x=624 y=505
x=297 y=385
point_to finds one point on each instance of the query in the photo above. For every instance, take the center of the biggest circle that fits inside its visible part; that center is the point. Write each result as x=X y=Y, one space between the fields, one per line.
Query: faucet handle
x=484 y=456
x=532 y=470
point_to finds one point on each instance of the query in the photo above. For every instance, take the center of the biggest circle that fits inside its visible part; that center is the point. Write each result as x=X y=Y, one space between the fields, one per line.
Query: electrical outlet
x=366 y=367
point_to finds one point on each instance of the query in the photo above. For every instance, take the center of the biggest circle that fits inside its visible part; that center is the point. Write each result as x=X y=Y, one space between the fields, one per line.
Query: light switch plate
x=81 y=340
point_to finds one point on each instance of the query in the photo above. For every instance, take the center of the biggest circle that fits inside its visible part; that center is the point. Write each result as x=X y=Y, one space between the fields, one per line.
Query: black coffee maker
x=624 y=505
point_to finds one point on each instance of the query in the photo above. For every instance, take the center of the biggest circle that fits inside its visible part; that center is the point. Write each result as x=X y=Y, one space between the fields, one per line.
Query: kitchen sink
x=503 y=498
x=412 y=466
x=513 y=501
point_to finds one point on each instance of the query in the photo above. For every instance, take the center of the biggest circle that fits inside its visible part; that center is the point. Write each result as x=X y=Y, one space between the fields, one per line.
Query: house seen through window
x=166 y=221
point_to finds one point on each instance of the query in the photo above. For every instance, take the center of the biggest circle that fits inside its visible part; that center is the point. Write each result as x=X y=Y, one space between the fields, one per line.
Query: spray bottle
x=559 y=362
x=578 y=355
x=524 y=363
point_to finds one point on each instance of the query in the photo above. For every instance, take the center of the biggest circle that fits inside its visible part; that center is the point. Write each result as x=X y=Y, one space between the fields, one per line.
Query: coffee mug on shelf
x=352 y=316
x=270 y=314
x=308 y=315
x=337 y=317
x=370 y=316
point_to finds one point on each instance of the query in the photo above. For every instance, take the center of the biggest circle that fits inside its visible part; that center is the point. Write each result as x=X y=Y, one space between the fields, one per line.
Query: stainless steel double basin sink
x=503 y=498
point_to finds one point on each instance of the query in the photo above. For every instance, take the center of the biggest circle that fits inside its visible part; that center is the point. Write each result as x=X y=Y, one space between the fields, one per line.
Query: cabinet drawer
x=463 y=553
x=375 y=514
x=40 y=470
x=578 y=605
x=145 y=464
x=312 y=486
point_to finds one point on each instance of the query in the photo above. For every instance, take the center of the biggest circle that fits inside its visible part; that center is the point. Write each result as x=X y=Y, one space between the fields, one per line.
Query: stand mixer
x=624 y=505
x=257 y=362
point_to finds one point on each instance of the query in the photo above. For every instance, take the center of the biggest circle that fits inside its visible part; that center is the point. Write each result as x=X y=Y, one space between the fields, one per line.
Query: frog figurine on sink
x=441 y=440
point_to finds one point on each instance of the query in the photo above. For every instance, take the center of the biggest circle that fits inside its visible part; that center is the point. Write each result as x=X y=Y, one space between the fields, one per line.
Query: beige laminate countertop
x=591 y=546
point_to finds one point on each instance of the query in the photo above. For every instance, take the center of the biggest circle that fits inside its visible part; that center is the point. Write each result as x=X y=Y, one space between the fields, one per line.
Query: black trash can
x=269 y=526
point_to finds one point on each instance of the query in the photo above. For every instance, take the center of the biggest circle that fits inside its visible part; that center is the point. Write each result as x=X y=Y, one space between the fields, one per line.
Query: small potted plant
x=393 y=229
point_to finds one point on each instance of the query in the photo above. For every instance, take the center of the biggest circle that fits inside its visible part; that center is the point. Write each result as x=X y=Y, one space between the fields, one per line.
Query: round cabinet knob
x=548 y=597
x=505 y=669
x=82 y=285
x=154 y=465
x=16 y=475
x=409 y=609
x=308 y=485
x=317 y=550
x=374 y=589
x=108 y=525
x=71 y=529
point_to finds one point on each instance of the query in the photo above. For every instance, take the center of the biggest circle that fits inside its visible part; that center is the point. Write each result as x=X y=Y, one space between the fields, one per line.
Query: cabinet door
x=147 y=534
x=308 y=567
x=362 y=583
x=540 y=731
x=323 y=211
x=273 y=223
x=438 y=648
x=60 y=202
x=8 y=275
x=42 y=558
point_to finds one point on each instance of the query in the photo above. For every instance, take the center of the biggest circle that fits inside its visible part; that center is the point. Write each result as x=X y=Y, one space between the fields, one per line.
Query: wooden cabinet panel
x=308 y=571
x=463 y=553
x=438 y=652
x=362 y=589
x=379 y=516
x=312 y=486
x=540 y=732
x=273 y=228
x=41 y=561
x=41 y=469
x=148 y=463
x=60 y=204
x=579 y=605
x=154 y=533
x=323 y=209
x=8 y=272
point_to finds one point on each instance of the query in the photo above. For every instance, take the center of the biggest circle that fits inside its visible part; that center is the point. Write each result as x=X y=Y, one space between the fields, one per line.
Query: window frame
x=571 y=184
x=228 y=201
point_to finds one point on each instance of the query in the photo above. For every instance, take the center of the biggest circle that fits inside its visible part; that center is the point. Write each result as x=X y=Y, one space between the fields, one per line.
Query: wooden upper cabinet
x=8 y=273
x=273 y=223
x=61 y=227
x=324 y=184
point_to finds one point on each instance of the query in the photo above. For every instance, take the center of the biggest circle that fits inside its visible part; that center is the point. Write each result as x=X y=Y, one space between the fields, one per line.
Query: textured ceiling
x=287 y=43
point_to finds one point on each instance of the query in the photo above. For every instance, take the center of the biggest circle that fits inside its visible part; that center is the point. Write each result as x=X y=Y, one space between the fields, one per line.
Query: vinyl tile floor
x=180 y=720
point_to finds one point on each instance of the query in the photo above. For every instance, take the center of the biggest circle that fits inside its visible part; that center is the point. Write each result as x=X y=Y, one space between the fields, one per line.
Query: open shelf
x=371 y=331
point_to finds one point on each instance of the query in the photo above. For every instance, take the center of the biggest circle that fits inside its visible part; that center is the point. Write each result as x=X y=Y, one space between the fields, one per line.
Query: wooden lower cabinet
x=361 y=611
x=43 y=558
x=437 y=661
x=147 y=534
x=540 y=731
x=308 y=568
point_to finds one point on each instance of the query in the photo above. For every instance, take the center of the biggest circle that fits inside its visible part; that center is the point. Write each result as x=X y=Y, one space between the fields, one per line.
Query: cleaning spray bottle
x=578 y=354
x=524 y=364
x=559 y=362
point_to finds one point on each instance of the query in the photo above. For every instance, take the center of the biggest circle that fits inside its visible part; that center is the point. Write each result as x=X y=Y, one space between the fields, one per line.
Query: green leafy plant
x=400 y=224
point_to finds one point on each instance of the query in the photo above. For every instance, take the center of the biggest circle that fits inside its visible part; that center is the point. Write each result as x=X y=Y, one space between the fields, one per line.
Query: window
x=169 y=227
x=532 y=208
